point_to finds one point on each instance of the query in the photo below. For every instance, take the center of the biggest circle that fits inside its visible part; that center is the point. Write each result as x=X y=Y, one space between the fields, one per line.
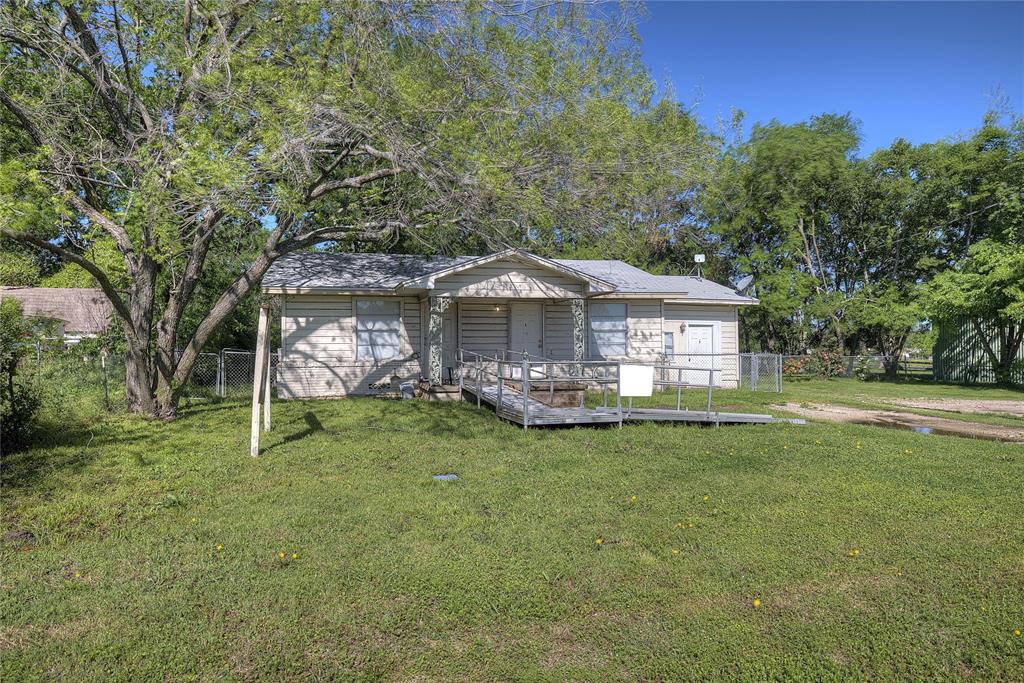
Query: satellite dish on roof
x=744 y=282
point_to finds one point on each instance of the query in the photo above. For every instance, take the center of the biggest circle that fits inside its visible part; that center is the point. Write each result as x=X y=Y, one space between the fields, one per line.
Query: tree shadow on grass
x=60 y=448
x=313 y=425
x=69 y=447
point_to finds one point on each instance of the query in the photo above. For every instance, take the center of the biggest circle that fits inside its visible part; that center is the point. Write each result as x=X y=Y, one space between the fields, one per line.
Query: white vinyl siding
x=724 y=320
x=609 y=330
x=378 y=326
x=509 y=279
x=645 y=329
x=484 y=326
x=318 y=347
x=558 y=331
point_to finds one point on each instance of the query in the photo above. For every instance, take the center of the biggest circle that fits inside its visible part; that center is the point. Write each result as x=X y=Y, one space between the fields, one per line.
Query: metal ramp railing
x=492 y=378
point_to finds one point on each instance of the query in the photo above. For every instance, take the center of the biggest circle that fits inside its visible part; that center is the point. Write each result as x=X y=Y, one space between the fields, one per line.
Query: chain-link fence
x=864 y=366
x=751 y=371
x=226 y=374
x=760 y=372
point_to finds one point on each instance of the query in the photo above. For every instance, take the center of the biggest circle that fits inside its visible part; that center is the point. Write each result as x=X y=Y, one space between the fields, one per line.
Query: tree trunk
x=1010 y=337
x=138 y=380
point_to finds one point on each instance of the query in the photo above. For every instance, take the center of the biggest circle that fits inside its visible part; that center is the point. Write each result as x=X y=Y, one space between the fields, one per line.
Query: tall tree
x=776 y=208
x=176 y=130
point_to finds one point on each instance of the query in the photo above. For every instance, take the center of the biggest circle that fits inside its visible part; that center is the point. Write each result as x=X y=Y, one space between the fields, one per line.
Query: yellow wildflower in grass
x=632 y=499
x=690 y=525
x=78 y=575
x=598 y=541
x=1016 y=632
x=679 y=525
x=675 y=551
x=295 y=556
x=194 y=520
x=757 y=602
x=219 y=547
x=858 y=444
x=856 y=552
x=281 y=555
x=707 y=498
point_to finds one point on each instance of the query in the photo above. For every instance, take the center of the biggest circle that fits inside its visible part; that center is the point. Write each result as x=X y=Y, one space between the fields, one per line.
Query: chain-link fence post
x=103 y=370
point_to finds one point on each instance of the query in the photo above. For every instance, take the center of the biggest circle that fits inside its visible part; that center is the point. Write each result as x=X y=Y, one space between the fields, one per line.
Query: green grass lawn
x=842 y=391
x=156 y=550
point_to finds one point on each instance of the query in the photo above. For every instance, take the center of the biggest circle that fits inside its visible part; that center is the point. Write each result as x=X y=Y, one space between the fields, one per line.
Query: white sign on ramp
x=636 y=380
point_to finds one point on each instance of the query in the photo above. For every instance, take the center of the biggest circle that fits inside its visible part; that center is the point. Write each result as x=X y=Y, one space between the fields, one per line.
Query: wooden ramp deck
x=542 y=415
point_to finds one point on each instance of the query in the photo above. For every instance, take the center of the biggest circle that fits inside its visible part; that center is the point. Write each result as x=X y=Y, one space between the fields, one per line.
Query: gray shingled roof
x=386 y=271
x=353 y=271
x=83 y=311
x=632 y=280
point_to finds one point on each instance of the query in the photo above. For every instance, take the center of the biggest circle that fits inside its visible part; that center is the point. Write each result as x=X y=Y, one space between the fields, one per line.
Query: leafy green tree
x=777 y=208
x=234 y=132
x=840 y=246
x=987 y=289
x=17 y=270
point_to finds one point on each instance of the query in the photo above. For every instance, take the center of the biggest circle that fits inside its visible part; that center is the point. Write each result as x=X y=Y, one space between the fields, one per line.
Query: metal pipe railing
x=594 y=372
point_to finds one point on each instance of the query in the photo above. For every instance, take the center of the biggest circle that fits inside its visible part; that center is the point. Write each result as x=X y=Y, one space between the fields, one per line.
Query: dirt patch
x=965 y=405
x=890 y=418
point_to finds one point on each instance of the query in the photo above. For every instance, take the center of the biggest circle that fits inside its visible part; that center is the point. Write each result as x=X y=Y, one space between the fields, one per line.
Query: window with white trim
x=378 y=329
x=608 y=330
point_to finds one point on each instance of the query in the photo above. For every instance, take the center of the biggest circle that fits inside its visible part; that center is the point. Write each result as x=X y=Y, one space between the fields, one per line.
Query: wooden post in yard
x=257 y=379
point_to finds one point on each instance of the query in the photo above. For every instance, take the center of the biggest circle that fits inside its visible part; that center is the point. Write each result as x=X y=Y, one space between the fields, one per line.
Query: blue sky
x=917 y=70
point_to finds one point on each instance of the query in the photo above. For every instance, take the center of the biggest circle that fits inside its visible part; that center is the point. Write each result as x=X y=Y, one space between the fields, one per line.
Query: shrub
x=829 y=363
x=862 y=371
x=18 y=402
x=17 y=414
x=793 y=367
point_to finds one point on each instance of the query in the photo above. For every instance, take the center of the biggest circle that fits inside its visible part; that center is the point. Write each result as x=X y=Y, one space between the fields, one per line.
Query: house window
x=608 y=334
x=378 y=324
x=670 y=345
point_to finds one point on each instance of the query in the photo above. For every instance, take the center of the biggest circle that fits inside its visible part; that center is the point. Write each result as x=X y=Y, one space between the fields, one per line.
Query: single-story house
x=351 y=322
x=76 y=313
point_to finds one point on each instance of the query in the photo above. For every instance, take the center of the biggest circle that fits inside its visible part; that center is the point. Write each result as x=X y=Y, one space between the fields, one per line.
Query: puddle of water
x=922 y=429
x=446 y=477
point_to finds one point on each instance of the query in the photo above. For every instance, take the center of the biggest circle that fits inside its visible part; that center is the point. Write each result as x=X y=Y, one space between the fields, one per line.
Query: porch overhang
x=593 y=286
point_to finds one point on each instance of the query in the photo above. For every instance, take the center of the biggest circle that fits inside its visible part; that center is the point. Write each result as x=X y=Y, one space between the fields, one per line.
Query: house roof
x=632 y=280
x=597 y=283
x=388 y=272
x=83 y=311
x=353 y=271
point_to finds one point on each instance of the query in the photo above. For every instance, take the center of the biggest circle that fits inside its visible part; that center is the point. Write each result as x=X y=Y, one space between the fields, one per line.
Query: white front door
x=700 y=345
x=526 y=323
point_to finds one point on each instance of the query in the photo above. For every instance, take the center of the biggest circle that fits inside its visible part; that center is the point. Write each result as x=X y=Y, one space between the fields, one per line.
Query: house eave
x=366 y=291
x=594 y=284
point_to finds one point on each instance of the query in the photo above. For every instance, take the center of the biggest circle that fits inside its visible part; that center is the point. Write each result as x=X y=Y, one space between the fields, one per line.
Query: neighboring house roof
x=389 y=272
x=82 y=311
